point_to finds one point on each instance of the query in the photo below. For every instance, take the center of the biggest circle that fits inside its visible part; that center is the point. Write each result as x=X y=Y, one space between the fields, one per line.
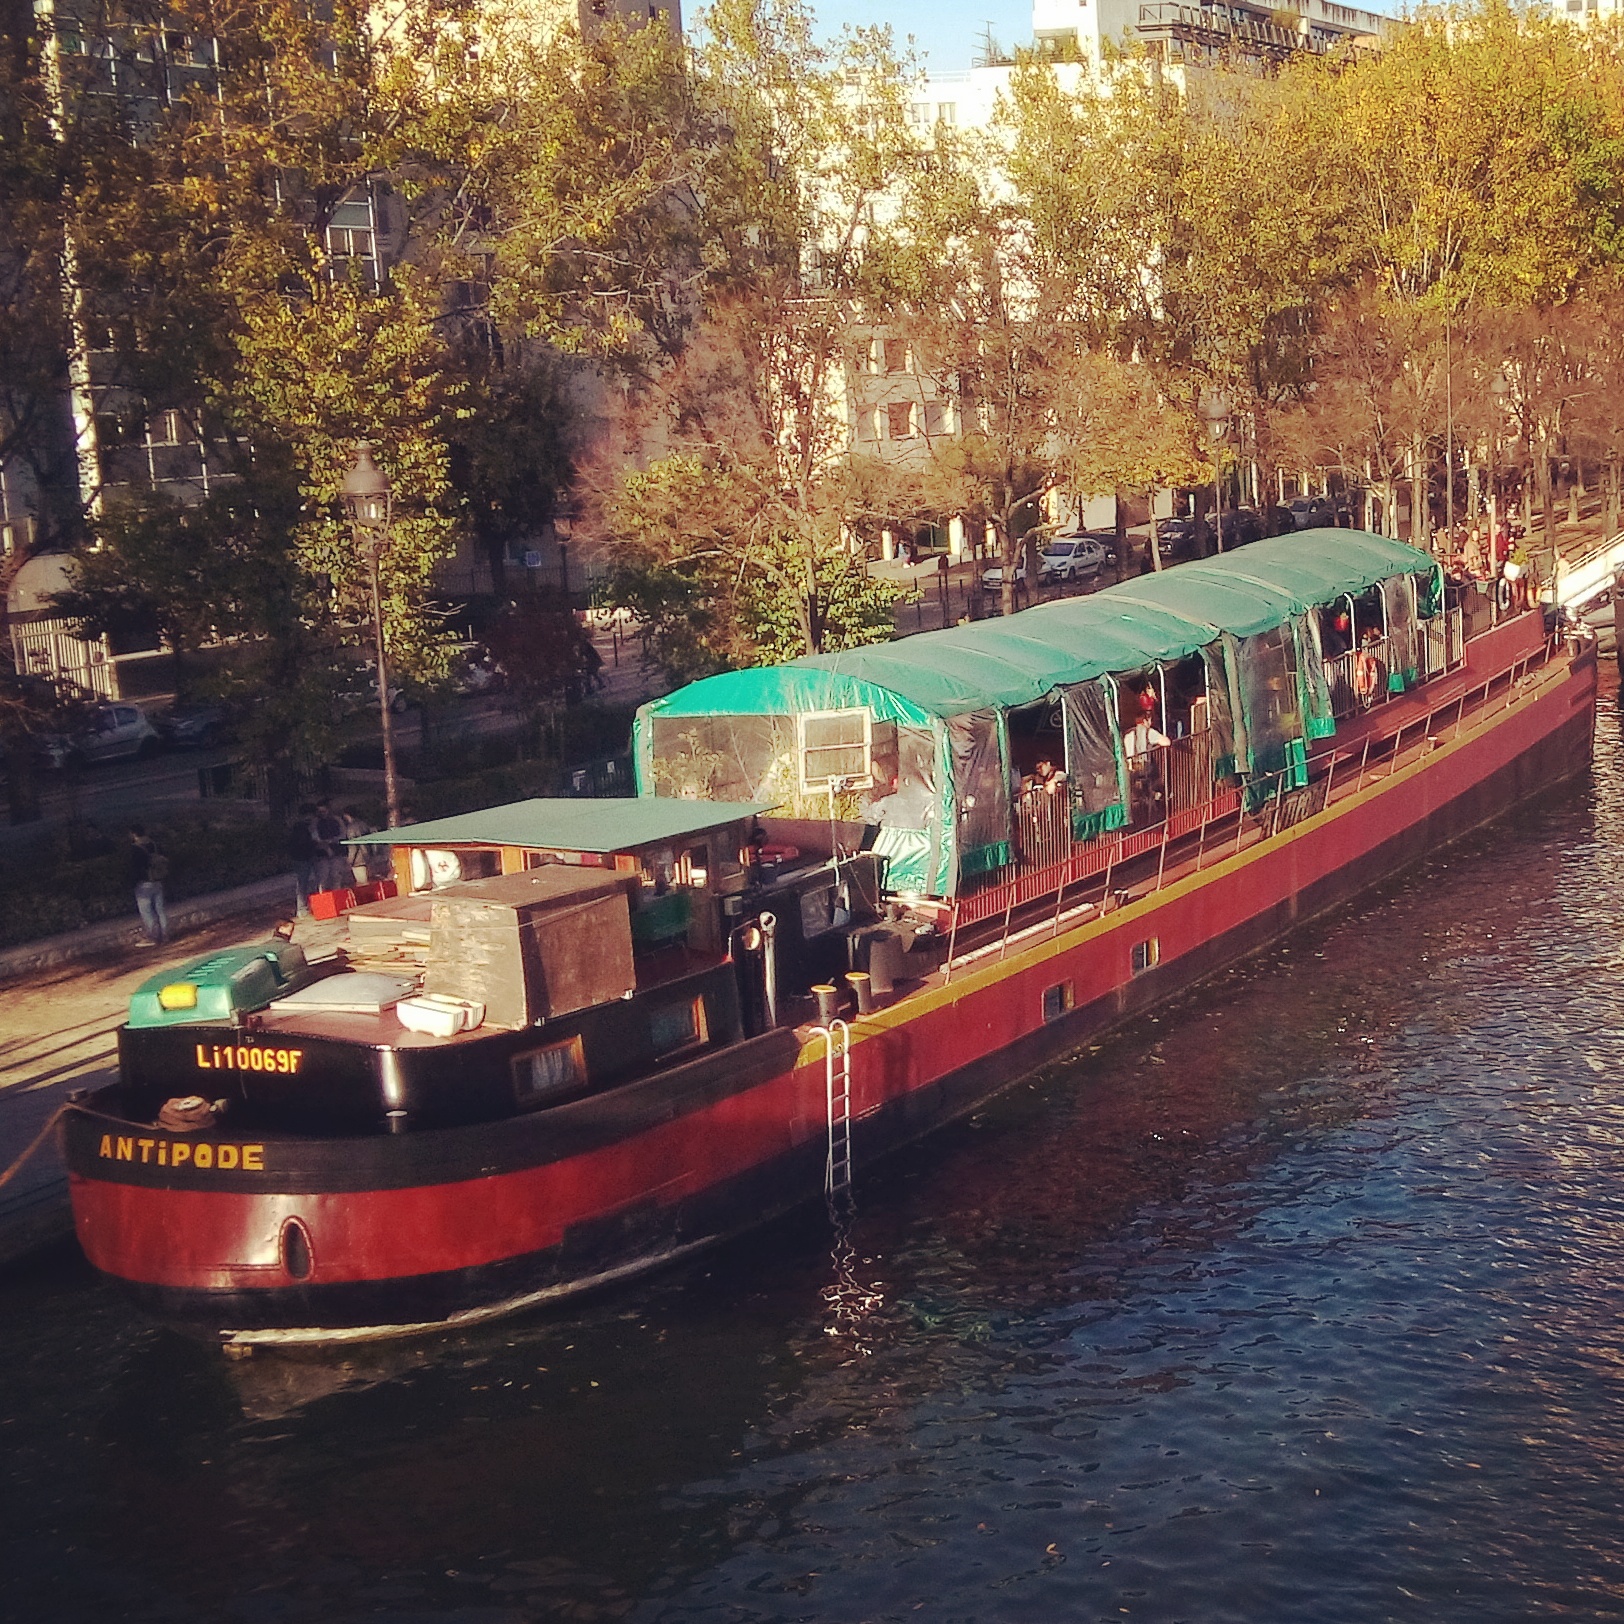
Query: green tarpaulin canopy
x=1018 y=660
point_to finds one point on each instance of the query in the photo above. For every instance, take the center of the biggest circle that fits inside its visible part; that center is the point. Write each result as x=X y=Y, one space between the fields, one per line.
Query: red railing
x=1102 y=854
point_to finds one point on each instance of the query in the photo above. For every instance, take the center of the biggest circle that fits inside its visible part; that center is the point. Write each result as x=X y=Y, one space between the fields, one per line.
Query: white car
x=993 y=579
x=1068 y=557
x=115 y=733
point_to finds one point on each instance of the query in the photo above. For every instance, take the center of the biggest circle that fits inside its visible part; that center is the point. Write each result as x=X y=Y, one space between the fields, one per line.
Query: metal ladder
x=837 y=1097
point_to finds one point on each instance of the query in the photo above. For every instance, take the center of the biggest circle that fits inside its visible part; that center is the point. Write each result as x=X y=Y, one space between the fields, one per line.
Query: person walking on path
x=149 y=868
x=302 y=849
x=332 y=868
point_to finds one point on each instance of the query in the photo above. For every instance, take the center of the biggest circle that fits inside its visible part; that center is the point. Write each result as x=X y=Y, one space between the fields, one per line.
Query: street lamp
x=1215 y=409
x=368 y=501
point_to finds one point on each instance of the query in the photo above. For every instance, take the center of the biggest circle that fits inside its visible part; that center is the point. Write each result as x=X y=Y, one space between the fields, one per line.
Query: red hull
x=732 y=1139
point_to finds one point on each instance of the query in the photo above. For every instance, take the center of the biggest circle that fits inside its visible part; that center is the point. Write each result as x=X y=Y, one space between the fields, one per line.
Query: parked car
x=1067 y=558
x=365 y=698
x=1311 y=512
x=1177 y=538
x=1597 y=614
x=993 y=579
x=187 y=727
x=1243 y=525
x=114 y=733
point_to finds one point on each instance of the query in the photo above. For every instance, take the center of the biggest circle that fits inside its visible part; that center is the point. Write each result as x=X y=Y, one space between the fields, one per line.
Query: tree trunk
x=1009 y=552
x=1547 y=498
x=1612 y=483
x=1575 y=489
x=1420 y=499
x=1155 y=543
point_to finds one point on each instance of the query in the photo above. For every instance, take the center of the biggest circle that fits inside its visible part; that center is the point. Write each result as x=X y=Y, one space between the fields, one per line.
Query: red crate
x=330 y=904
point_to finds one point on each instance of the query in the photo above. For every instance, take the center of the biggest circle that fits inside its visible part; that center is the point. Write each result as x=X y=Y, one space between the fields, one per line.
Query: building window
x=947 y=113
x=347 y=246
x=896 y=355
x=899 y=419
x=836 y=747
x=938 y=417
x=542 y=1076
x=675 y=1027
x=1147 y=954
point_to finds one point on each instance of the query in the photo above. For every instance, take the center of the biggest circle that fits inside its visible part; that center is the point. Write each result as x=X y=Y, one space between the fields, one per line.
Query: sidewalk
x=60 y=1033
x=116 y=936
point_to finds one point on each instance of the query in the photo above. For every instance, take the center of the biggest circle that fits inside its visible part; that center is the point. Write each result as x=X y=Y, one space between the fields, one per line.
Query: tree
x=734 y=536
x=1042 y=407
x=545 y=652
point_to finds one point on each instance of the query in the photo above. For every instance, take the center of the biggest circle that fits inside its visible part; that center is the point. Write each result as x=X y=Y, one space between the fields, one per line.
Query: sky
x=945 y=32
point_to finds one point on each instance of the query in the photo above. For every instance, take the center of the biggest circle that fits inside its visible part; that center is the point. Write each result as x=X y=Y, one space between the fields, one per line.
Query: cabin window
x=1056 y=1001
x=541 y=1076
x=817 y=911
x=836 y=750
x=694 y=868
x=1147 y=954
x=673 y=1027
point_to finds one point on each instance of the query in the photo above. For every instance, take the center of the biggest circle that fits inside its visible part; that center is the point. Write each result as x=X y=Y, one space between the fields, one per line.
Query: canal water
x=1300 y=1301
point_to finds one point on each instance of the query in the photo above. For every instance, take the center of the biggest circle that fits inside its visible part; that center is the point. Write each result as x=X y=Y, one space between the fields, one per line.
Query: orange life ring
x=1366 y=676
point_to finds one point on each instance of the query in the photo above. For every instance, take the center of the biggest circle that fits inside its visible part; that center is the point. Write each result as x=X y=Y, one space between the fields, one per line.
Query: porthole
x=296 y=1258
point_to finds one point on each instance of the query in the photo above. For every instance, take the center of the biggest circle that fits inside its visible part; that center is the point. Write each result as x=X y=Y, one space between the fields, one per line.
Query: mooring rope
x=38 y=1140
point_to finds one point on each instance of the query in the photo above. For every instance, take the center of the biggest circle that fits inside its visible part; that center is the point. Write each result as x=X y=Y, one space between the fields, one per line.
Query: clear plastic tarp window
x=1271 y=711
x=1317 y=709
x=1095 y=765
x=1221 y=710
x=761 y=758
x=907 y=808
x=1403 y=658
x=980 y=791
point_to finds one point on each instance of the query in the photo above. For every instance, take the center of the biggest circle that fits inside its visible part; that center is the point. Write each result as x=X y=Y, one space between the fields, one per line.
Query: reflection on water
x=1298 y=1301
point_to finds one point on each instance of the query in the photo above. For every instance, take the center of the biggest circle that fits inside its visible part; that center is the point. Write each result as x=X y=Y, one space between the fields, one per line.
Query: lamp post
x=368 y=501
x=1215 y=409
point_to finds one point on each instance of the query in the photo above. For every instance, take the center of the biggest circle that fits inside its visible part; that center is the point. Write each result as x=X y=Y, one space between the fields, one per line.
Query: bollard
x=399 y=1121
x=828 y=1002
x=859 y=984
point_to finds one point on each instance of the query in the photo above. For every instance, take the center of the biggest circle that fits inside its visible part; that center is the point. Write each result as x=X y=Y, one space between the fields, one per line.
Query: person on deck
x=1045 y=779
x=1143 y=735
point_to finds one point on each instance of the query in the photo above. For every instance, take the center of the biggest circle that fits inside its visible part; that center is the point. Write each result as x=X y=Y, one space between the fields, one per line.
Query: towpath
x=58 y=1032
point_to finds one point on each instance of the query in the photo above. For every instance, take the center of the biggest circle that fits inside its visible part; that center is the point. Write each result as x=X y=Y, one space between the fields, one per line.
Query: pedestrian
x=149 y=868
x=333 y=872
x=372 y=862
x=301 y=848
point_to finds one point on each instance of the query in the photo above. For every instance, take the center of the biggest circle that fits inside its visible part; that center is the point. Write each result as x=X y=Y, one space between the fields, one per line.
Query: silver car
x=114 y=733
x=1068 y=557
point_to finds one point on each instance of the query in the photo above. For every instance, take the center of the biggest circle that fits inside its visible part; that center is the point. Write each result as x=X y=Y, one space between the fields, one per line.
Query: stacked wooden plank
x=391 y=937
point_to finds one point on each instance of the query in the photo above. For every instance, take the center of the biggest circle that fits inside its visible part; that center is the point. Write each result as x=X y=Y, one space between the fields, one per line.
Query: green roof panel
x=600 y=826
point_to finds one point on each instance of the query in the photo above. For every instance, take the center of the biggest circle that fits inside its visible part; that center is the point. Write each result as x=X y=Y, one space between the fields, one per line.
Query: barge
x=855 y=895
